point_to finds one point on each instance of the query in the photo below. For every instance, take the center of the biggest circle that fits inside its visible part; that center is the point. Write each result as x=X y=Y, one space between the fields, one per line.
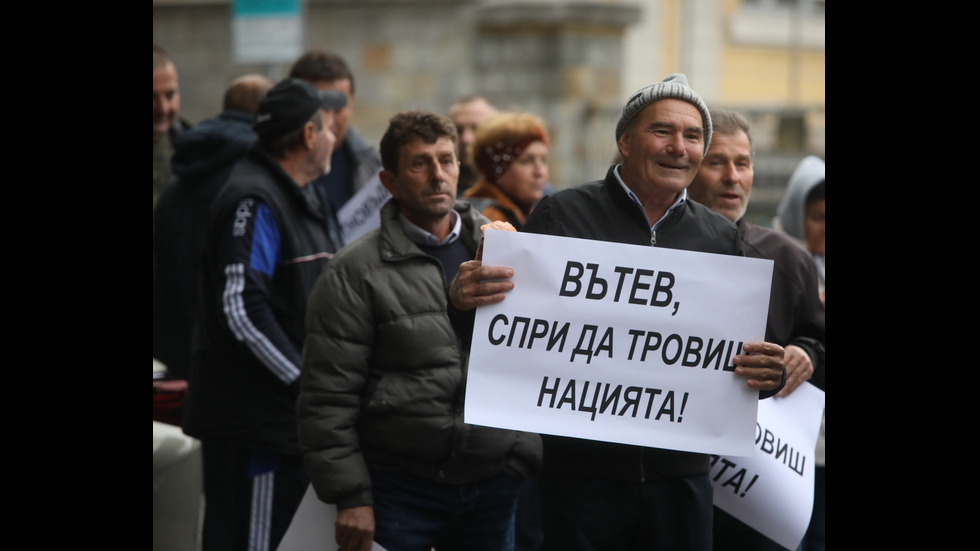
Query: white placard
x=618 y=343
x=772 y=490
x=359 y=214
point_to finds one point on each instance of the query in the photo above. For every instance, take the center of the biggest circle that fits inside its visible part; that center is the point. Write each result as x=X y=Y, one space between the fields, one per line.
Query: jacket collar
x=395 y=243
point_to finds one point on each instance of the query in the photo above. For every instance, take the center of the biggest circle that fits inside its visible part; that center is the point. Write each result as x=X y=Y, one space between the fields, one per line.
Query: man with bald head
x=203 y=159
x=466 y=113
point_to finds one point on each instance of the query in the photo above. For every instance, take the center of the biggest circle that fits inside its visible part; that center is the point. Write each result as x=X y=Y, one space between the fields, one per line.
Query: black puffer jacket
x=383 y=375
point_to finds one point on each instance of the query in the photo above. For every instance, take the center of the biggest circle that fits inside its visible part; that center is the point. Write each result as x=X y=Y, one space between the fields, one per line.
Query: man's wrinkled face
x=166 y=98
x=425 y=185
x=663 y=146
x=724 y=181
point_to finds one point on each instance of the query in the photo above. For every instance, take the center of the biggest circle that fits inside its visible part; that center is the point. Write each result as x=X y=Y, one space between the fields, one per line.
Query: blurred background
x=573 y=62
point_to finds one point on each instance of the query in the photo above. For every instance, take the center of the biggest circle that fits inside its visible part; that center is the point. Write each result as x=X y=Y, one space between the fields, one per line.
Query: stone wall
x=558 y=60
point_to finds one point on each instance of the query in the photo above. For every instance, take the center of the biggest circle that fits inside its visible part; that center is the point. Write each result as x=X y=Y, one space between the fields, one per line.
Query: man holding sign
x=796 y=315
x=380 y=398
x=606 y=495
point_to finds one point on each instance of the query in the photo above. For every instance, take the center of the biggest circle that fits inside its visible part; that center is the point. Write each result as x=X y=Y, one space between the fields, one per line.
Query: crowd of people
x=307 y=359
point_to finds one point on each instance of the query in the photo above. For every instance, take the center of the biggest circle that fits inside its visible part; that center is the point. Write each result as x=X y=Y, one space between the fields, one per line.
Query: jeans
x=528 y=533
x=415 y=514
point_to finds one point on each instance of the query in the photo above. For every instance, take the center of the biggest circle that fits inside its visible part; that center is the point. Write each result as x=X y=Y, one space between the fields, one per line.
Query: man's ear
x=387 y=178
x=621 y=145
x=309 y=135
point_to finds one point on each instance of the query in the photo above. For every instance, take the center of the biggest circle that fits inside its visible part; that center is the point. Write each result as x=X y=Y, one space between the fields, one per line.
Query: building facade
x=573 y=62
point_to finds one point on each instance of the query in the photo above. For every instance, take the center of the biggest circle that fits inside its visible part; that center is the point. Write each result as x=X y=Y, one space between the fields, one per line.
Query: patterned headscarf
x=502 y=138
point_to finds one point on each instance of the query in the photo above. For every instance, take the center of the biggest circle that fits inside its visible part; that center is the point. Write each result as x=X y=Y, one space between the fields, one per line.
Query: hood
x=790 y=213
x=213 y=145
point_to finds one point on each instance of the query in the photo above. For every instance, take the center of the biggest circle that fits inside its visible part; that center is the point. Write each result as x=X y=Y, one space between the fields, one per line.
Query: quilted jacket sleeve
x=339 y=340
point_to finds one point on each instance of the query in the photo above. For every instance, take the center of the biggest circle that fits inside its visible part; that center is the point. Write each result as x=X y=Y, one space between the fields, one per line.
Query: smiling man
x=603 y=495
x=381 y=394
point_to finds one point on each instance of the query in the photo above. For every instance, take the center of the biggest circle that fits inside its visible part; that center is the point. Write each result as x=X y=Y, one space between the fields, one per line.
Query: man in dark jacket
x=265 y=244
x=380 y=408
x=603 y=495
x=168 y=125
x=355 y=161
x=796 y=315
x=203 y=159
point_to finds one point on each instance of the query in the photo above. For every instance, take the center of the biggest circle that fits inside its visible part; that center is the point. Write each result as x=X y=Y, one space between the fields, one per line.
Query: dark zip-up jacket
x=602 y=210
x=265 y=246
x=796 y=315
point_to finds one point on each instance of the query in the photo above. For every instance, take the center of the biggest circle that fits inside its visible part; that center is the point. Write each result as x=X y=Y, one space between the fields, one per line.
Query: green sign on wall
x=267 y=31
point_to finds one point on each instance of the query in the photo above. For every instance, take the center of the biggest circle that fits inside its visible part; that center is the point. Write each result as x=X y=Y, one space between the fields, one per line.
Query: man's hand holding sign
x=476 y=285
x=642 y=355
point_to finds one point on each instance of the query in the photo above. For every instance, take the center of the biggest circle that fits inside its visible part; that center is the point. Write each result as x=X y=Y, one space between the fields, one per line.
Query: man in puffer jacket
x=380 y=410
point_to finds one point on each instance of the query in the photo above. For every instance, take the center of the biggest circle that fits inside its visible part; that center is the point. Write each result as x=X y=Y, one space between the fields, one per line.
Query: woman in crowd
x=510 y=150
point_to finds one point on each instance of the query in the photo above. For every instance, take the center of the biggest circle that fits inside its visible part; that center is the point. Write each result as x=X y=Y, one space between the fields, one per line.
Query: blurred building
x=574 y=62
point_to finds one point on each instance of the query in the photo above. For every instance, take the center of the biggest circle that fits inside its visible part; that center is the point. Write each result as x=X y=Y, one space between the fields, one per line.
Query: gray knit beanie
x=674 y=86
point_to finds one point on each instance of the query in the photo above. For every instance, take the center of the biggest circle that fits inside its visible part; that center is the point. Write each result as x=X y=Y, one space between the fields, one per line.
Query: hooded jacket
x=202 y=161
x=384 y=375
x=790 y=213
x=790 y=217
